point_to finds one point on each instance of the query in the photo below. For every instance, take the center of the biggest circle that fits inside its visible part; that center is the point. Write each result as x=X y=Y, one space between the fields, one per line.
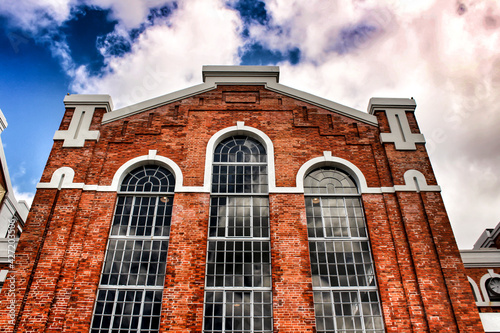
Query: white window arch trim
x=150 y=159
x=331 y=161
x=484 y=291
x=414 y=180
x=239 y=129
x=475 y=291
x=63 y=177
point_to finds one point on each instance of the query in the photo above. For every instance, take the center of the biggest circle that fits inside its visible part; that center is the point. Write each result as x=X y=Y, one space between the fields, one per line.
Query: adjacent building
x=12 y=213
x=238 y=205
x=482 y=265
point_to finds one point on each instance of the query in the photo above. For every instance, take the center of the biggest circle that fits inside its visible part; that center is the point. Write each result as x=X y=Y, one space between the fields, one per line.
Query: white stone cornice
x=480 y=258
x=103 y=101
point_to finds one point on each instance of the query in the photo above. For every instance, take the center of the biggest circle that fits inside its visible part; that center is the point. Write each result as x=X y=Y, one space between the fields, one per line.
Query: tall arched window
x=345 y=293
x=133 y=275
x=238 y=278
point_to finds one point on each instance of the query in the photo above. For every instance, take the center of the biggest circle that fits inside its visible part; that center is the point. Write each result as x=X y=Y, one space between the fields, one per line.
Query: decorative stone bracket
x=415 y=182
x=395 y=110
x=79 y=128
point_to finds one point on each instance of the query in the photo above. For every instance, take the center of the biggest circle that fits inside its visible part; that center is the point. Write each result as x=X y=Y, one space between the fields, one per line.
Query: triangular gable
x=214 y=76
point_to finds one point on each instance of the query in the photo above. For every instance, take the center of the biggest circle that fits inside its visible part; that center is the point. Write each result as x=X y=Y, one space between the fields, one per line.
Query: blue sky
x=445 y=55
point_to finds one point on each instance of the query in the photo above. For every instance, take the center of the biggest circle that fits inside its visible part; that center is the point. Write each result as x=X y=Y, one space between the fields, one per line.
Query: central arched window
x=132 y=279
x=238 y=278
x=345 y=292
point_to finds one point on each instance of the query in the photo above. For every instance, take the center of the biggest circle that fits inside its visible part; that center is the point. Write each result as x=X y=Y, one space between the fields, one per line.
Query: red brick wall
x=182 y=305
x=60 y=254
x=293 y=306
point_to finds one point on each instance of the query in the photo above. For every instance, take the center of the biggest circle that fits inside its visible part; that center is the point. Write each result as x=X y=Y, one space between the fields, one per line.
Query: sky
x=444 y=54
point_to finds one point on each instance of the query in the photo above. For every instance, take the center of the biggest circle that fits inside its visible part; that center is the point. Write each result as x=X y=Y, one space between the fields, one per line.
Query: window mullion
x=155 y=214
x=224 y=304
x=113 y=312
x=361 y=311
x=251 y=225
x=347 y=217
x=131 y=216
x=333 y=310
x=323 y=222
x=141 y=310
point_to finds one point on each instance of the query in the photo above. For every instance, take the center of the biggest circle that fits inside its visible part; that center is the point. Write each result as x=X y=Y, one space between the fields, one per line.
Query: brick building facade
x=238 y=205
x=13 y=213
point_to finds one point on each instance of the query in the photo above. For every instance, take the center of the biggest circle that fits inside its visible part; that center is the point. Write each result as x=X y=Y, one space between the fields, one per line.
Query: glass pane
x=340 y=255
x=149 y=178
x=121 y=310
x=135 y=262
x=238 y=311
x=238 y=176
x=329 y=180
x=239 y=217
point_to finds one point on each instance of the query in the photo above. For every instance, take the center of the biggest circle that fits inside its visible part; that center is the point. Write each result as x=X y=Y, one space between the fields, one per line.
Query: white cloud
x=129 y=13
x=444 y=54
x=32 y=15
x=448 y=60
x=166 y=58
x=26 y=196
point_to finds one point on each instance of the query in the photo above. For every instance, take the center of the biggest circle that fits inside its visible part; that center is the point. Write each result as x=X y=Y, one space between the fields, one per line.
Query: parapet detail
x=400 y=132
x=79 y=128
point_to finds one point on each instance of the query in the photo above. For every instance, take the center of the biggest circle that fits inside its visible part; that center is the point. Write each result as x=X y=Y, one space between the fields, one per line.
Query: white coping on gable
x=245 y=75
x=395 y=110
x=382 y=103
x=100 y=100
x=228 y=71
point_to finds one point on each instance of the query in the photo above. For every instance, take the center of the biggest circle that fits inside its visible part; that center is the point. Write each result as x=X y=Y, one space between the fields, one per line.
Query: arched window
x=238 y=278
x=133 y=275
x=345 y=293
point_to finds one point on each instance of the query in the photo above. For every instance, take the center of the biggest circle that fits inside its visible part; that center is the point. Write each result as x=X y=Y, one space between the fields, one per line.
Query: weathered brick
x=422 y=283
